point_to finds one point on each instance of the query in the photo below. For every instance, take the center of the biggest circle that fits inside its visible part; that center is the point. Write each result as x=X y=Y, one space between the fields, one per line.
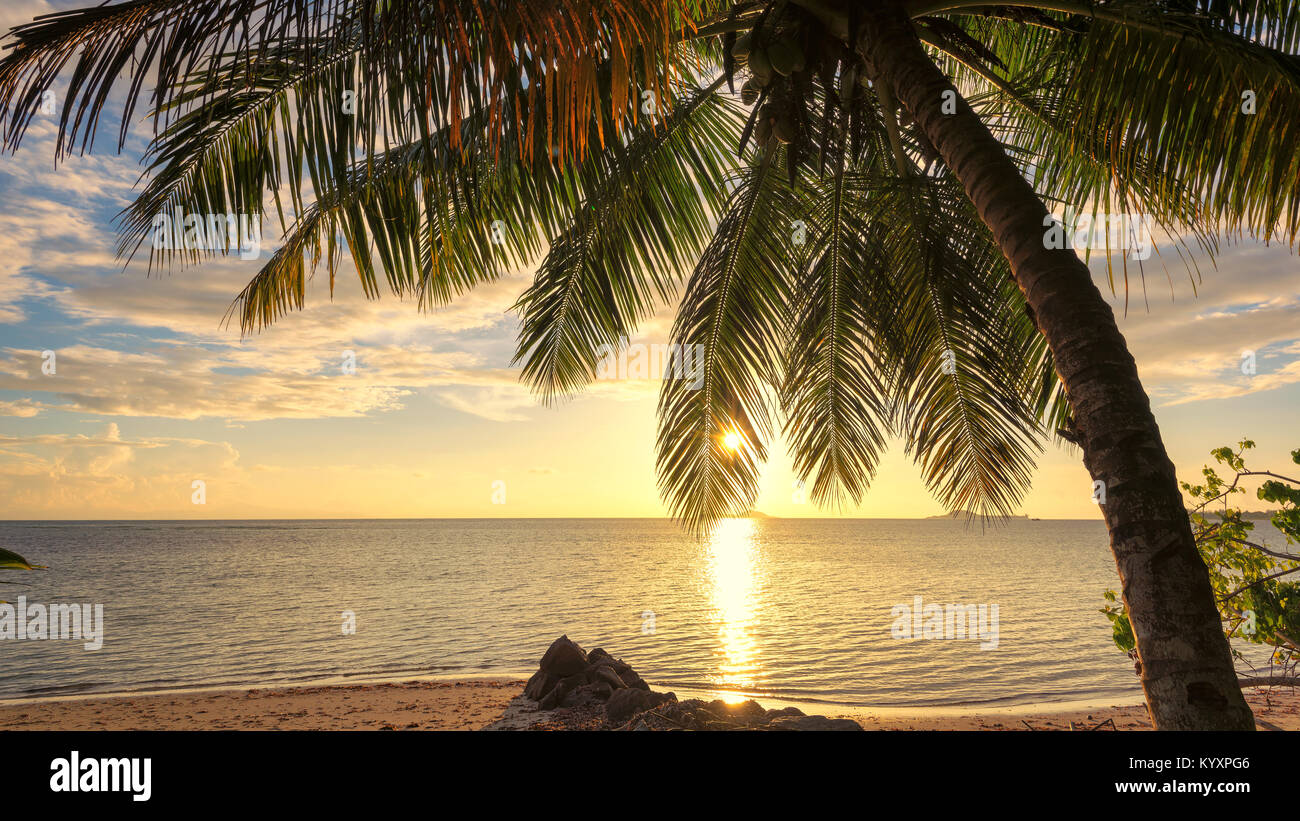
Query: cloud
x=136 y=342
x=17 y=12
x=133 y=342
x=110 y=438
x=48 y=225
x=22 y=408
x=1232 y=386
x=1189 y=347
x=192 y=382
x=103 y=474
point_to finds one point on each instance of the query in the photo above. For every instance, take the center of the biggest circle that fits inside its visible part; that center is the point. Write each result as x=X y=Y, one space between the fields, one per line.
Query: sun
x=732 y=441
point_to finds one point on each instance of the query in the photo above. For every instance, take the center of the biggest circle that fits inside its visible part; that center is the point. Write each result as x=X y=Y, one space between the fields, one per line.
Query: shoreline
x=270 y=684
x=1010 y=704
x=471 y=703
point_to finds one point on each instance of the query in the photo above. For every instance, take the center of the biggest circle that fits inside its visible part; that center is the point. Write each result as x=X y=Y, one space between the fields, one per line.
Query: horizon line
x=593 y=518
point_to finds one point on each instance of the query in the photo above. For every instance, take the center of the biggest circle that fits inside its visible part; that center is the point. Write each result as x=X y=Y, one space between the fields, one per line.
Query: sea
x=817 y=611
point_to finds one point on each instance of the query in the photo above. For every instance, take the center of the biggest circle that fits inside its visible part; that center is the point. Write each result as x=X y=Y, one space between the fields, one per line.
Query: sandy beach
x=469 y=705
x=414 y=705
x=1279 y=710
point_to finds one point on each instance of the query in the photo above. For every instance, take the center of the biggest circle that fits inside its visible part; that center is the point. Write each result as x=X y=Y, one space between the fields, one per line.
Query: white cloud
x=1189 y=346
x=103 y=474
x=192 y=382
x=22 y=408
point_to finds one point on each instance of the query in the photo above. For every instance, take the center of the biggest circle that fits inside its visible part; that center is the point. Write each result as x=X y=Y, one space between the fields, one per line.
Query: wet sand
x=1279 y=710
x=469 y=705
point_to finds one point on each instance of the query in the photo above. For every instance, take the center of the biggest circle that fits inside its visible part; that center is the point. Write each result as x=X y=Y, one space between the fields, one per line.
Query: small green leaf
x=10 y=560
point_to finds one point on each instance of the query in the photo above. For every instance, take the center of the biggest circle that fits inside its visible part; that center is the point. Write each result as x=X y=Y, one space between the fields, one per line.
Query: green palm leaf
x=966 y=370
x=835 y=395
x=733 y=310
x=648 y=212
x=10 y=560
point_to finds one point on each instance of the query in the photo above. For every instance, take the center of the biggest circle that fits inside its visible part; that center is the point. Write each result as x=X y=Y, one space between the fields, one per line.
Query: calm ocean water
x=798 y=610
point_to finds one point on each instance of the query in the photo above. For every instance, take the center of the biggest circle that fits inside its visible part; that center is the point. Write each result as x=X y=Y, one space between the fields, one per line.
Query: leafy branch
x=1257 y=602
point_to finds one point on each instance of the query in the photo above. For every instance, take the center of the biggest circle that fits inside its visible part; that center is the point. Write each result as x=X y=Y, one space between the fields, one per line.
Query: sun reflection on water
x=734 y=576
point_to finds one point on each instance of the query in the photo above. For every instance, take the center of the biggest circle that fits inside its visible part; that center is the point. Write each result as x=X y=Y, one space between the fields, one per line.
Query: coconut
x=784 y=129
x=786 y=58
x=760 y=66
x=743 y=46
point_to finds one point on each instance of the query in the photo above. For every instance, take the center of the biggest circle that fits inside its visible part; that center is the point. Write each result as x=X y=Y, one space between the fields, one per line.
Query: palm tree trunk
x=1187 y=669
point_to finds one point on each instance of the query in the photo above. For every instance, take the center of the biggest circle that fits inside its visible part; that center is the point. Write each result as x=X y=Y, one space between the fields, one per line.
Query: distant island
x=1252 y=515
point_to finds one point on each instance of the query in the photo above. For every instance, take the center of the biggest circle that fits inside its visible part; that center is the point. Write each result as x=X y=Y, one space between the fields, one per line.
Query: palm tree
x=861 y=235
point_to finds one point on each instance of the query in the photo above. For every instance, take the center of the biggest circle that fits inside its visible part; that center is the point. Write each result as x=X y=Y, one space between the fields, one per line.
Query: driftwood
x=1074 y=726
x=1268 y=681
x=653 y=713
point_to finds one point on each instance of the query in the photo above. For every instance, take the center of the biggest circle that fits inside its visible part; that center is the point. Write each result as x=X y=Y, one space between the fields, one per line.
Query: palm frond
x=1158 y=97
x=835 y=395
x=240 y=137
x=10 y=560
x=425 y=232
x=733 y=315
x=442 y=59
x=968 y=360
x=648 y=212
